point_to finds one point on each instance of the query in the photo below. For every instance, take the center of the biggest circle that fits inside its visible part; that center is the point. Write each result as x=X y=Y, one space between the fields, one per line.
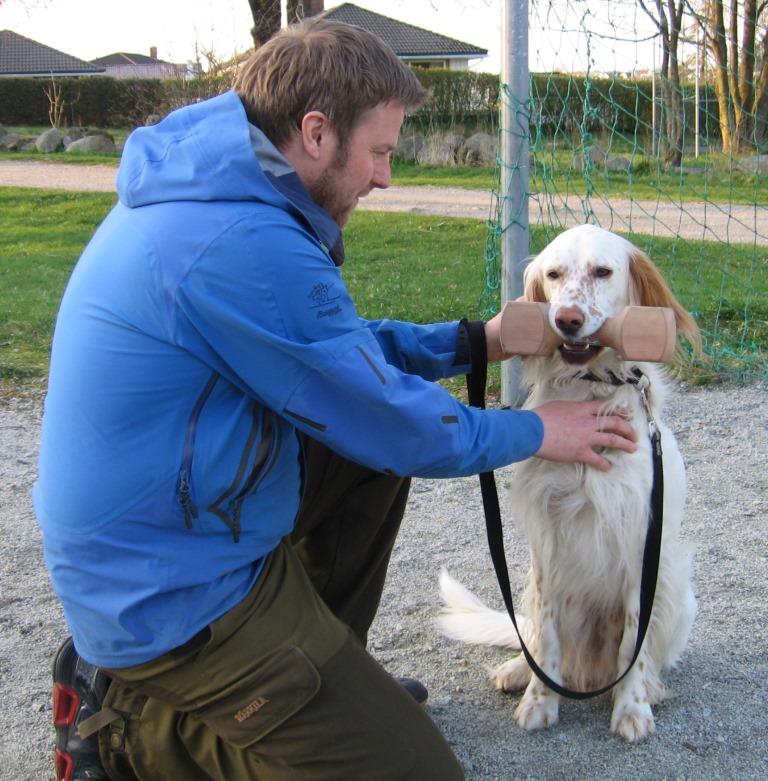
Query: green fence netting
x=612 y=141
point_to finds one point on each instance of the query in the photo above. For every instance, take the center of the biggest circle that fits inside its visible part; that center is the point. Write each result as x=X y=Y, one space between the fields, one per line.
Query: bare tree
x=296 y=10
x=668 y=18
x=266 y=20
x=56 y=103
x=266 y=16
x=740 y=60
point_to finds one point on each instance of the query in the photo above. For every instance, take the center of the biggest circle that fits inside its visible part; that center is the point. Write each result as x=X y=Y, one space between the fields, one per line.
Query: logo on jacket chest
x=323 y=298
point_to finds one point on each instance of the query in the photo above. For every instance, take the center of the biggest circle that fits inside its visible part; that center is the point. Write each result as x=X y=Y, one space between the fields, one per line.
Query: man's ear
x=316 y=132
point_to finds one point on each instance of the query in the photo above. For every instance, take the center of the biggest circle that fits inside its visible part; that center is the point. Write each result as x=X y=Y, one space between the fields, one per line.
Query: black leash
x=476 y=382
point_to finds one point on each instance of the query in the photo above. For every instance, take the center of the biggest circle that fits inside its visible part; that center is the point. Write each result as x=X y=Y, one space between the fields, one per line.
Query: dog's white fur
x=586 y=528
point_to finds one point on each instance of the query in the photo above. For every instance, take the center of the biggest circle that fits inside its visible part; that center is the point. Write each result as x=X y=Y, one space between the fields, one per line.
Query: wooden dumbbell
x=637 y=333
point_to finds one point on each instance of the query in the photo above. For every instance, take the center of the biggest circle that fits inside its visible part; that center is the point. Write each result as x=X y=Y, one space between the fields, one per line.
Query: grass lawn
x=43 y=234
x=409 y=267
x=716 y=184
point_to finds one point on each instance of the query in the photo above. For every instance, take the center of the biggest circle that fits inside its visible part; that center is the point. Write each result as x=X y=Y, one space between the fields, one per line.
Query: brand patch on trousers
x=250 y=709
x=262 y=696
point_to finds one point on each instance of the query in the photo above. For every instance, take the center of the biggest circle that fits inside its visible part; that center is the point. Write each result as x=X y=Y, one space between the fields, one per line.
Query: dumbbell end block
x=637 y=333
x=641 y=333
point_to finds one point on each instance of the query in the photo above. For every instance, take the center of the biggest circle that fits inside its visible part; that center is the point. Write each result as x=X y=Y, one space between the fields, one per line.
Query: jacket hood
x=208 y=151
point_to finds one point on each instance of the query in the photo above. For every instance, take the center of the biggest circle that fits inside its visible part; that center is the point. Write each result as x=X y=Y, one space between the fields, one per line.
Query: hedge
x=559 y=102
x=98 y=101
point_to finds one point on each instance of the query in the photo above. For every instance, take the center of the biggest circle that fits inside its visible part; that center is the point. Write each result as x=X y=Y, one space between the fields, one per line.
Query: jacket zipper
x=184 y=490
x=262 y=462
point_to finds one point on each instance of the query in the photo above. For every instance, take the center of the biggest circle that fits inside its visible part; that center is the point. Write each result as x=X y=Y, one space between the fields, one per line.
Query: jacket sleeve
x=426 y=350
x=279 y=323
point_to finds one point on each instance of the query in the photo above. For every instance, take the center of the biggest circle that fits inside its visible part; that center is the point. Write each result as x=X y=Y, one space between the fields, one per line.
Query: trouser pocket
x=153 y=741
x=262 y=699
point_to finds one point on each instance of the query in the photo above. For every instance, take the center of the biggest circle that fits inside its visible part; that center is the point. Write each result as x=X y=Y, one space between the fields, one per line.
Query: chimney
x=153 y=52
x=313 y=7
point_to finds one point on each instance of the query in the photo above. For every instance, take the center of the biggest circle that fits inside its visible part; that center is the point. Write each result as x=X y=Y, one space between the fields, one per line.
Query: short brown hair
x=320 y=65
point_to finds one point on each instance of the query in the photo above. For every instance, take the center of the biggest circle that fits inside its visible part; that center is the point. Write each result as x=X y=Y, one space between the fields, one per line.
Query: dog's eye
x=602 y=271
x=552 y=274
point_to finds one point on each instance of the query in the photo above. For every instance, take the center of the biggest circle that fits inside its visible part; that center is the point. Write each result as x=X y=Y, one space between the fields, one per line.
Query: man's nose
x=382 y=175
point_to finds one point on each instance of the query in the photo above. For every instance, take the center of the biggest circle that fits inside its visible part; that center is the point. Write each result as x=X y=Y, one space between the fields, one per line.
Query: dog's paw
x=512 y=676
x=634 y=723
x=537 y=711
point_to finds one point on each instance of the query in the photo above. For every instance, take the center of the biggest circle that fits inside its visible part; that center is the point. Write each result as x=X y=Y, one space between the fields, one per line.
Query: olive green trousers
x=281 y=686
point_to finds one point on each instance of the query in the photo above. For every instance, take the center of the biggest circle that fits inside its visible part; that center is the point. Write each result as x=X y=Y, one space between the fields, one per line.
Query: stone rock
x=617 y=164
x=597 y=155
x=10 y=142
x=408 y=147
x=98 y=142
x=74 y=134
x=50 y=140
x=757 y=164
x=152 y=119
x=440 y=149
x=27 y=145
x=479 y=149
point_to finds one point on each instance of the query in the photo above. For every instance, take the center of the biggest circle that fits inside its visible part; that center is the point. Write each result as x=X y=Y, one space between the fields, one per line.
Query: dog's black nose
x=569 y=319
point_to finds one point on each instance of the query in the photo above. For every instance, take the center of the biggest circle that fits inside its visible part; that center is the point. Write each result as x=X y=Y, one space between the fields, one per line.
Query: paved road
x=729 y=223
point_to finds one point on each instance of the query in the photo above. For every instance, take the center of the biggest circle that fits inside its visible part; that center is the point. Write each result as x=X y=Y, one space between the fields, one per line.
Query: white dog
x=586 y=528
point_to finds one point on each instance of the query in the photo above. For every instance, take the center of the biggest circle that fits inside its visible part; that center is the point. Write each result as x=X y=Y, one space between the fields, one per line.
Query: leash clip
x=643 y=385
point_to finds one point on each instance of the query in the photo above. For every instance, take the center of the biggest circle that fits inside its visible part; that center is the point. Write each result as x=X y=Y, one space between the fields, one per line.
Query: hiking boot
x=415 y=688
x=78 y=691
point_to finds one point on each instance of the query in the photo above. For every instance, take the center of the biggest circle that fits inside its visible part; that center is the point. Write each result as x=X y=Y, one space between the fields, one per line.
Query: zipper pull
x=185 y=499
x=235 y=508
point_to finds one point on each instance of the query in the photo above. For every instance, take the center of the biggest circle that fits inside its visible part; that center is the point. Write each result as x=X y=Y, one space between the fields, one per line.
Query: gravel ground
x=713 y=728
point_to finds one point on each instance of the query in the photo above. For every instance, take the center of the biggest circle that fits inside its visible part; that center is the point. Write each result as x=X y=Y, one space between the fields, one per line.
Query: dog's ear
x=649 y=288
x=533 y=288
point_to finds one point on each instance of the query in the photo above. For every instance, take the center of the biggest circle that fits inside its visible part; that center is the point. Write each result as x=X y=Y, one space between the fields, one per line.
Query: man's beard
x=325 y=191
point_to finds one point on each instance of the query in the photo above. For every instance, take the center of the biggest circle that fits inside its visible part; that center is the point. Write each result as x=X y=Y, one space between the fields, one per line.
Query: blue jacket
x=206 y=322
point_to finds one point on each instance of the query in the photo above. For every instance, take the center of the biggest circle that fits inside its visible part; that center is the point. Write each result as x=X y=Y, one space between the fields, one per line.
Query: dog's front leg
x=539 y=706
x=632 y=718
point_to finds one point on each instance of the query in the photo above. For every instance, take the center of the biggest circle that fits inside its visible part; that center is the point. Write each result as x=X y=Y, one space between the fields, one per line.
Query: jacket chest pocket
x=255 y=461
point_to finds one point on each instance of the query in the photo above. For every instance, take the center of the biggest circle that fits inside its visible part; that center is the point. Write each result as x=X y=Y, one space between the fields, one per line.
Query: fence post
x=514 y=172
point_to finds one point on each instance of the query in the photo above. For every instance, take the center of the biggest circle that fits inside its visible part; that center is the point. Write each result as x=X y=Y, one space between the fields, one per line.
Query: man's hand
x=573 y=430
x=493 y=340
x=493 y=337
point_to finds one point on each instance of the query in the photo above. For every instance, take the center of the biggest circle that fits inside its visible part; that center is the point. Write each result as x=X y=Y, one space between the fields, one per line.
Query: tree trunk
x=266 y=20
x=741 y=72
x=718 y=46
x=676 y=108
x=761 y=94
x=298 y=10
x=294 y=11
x=669 y=21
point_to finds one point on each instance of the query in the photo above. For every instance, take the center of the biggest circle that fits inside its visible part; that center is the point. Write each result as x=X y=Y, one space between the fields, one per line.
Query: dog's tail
x=464 y=617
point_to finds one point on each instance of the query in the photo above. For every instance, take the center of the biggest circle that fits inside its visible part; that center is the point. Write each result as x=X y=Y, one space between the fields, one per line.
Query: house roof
x=126 y=58
x=20 y=56
x=406 y=39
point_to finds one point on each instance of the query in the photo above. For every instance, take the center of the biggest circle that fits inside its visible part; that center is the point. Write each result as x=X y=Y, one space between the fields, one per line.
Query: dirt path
x=729 y=223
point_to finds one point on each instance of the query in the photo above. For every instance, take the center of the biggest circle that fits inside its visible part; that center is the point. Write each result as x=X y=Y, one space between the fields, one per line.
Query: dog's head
x=588 y=274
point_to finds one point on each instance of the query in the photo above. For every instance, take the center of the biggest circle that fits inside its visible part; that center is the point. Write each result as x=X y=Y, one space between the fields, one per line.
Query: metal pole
x=653 y=102
x=696 y=129
x=514 y=173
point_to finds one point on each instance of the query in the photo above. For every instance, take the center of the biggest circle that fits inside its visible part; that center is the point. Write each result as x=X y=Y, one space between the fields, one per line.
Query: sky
x=93 y=28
